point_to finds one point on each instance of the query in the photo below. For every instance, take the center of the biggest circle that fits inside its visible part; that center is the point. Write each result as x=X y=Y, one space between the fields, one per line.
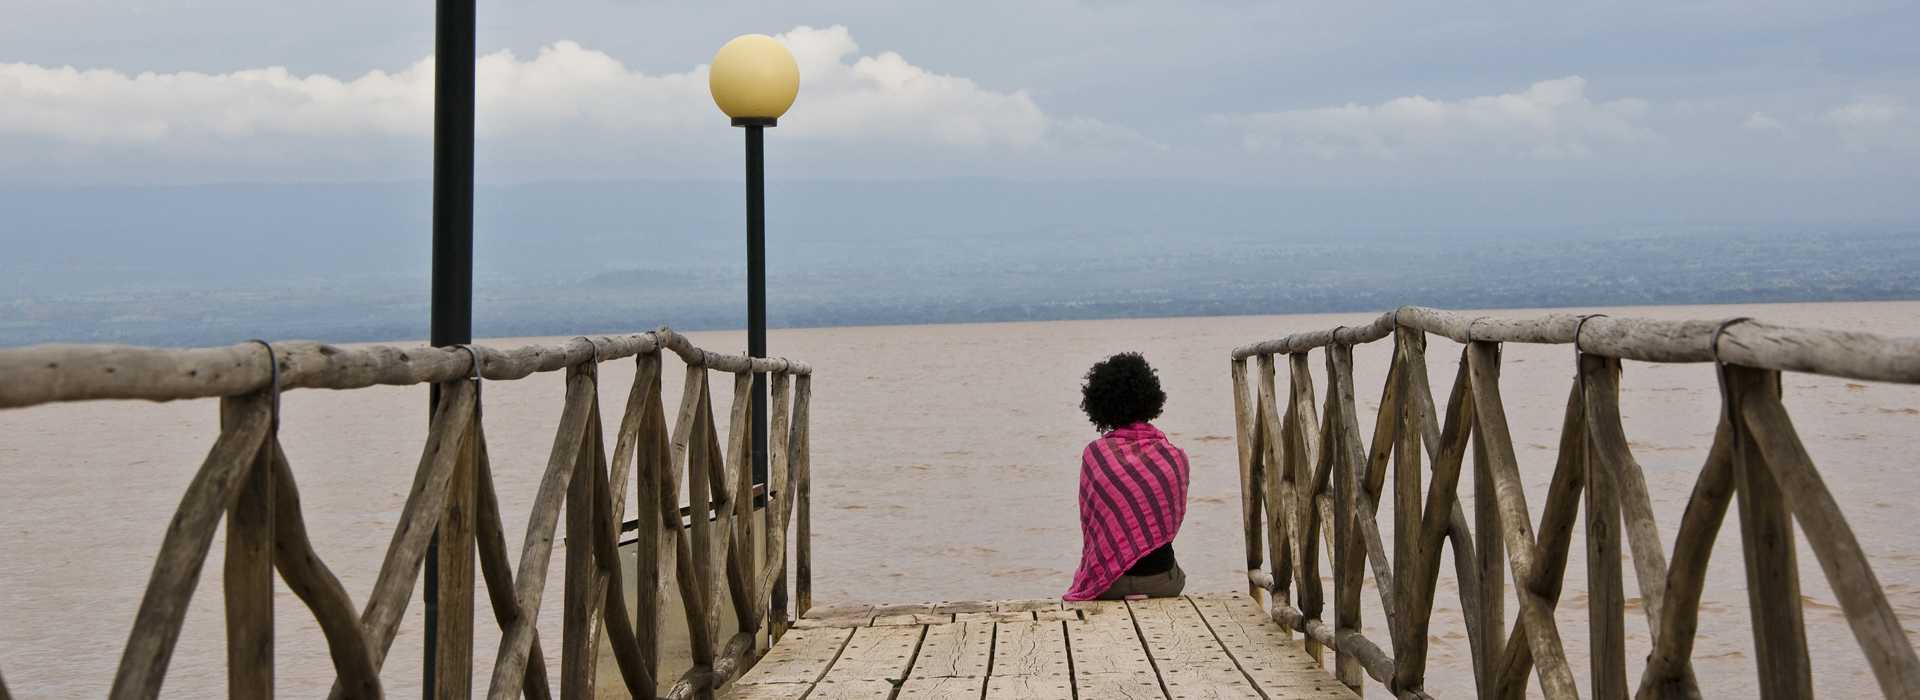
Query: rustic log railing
x=246 y=479
x=1306 y=478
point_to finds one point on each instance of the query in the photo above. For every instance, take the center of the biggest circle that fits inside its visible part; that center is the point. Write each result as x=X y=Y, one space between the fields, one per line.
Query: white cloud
x=1551 y=119
x=1763 y=122
x=1874 y=122
x=567 y=102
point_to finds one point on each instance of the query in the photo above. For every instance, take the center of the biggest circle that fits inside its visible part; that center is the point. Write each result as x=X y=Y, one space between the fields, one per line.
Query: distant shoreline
x=1655 y=310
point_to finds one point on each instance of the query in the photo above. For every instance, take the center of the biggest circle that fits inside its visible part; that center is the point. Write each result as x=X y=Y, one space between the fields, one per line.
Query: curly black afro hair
x=1121 y=390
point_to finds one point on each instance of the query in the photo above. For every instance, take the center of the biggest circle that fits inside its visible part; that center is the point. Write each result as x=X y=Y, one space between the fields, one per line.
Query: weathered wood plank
x=963 y=606
x=943 y=688
x=807 y=623
x=496 y=569
x=770 y=691
x=854 y=689
x=1124 y=686
x=656 y=533
x=1056 y=615
x=773 y=574
x=961 y=649
x=995 y=616
x=911 y=619
x=1105 y=644
x=695 y=562
x=1304 y=520
x=248 y=575
x=577 y=653
x=803 y=476
x=1669 y=672
x=1030 y=648
x=1602 y=379
x=1249 y=439
x=1557 y=523
x=516 y=642
x=426 y=502
x=876 y=653
x=1261 y=650
x=1178 y=640
x=1516 y=528
x=1436 y=520
x=1874 y=623
x=1053 y=687
x=454 y=551
x=802 y=656
x=1766 y=537
x=1273 y=487
x=311 y=580
x=183 y=551
x=610 y=602
x=1349 y=547
x=1027 y=605
x=737 y=523
x=1606 y=601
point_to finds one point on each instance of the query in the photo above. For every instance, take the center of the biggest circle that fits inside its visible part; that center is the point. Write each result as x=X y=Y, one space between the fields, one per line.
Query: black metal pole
x=453 y=50
x=757 y=288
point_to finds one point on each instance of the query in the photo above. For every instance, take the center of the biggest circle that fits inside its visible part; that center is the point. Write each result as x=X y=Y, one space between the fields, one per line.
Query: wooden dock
x=1201 y=646
x=710 y=546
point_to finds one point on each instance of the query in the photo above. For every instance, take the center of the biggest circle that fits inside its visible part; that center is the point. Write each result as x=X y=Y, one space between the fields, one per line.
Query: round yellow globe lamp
x=754 y=80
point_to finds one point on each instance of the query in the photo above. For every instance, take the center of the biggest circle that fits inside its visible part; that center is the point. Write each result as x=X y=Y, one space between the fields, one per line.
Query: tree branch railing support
x=246 y=481
x=1295 y=487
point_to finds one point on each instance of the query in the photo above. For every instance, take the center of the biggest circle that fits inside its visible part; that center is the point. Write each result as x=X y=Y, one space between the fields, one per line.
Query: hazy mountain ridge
x=201 y=265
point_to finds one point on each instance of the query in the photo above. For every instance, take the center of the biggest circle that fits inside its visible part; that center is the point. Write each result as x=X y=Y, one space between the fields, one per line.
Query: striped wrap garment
x=1133 y=496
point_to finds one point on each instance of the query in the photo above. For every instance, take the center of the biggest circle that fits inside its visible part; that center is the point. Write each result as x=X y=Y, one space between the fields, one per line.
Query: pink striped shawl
x=1133 y=496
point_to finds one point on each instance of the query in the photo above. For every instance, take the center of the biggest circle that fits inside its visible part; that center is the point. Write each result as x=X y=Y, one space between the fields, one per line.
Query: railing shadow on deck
x=247 y=481
x=1307 y=478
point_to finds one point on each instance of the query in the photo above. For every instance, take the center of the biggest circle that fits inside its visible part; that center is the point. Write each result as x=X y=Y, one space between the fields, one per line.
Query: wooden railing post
x=803 y=490
x=248 y=574
x=1306 y=451
x=1248 y=436
x=1349 y=563
x=1766 y=536
x=453 y=642
x=578 y=654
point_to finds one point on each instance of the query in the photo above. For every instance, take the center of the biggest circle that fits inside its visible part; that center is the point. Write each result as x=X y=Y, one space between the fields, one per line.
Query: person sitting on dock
x=1133 y=488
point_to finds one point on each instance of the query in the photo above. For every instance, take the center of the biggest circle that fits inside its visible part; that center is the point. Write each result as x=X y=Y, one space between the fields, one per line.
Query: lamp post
x=754 y=80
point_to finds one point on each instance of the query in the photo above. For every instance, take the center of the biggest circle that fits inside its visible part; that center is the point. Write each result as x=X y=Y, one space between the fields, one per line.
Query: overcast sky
x=1758 y=97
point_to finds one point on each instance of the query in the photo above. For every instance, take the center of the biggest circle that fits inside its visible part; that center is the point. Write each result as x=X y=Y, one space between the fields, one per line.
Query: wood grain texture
x=183 y=550
x=247 y=578
x=1536 y=612
x=1749 y=344
x=1030 y=648
x=943 y=688
x=516 y=642
x=877 y=653
x=802 y=656
x=426 y=502
x=48 y=373
x=454 y=550
x=1250 y=440
x=1871 y=616
x=958 y=650
x=1767 y=539
x=310 y=579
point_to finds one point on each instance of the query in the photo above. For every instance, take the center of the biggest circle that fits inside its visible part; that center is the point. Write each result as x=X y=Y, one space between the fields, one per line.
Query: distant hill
x=208 y=264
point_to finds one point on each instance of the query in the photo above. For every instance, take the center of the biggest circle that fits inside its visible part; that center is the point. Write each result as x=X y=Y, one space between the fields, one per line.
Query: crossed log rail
x=246 y=479
x=1310 y=478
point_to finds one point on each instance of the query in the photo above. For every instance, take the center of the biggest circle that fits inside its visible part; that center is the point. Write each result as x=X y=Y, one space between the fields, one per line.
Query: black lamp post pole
x=757 y=283
x=453 y=49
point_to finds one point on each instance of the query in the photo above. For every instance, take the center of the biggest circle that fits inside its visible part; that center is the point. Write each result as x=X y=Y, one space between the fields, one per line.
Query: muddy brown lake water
x=945 y=465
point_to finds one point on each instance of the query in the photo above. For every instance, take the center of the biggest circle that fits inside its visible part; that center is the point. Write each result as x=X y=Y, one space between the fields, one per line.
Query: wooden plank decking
x=1201 y=646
